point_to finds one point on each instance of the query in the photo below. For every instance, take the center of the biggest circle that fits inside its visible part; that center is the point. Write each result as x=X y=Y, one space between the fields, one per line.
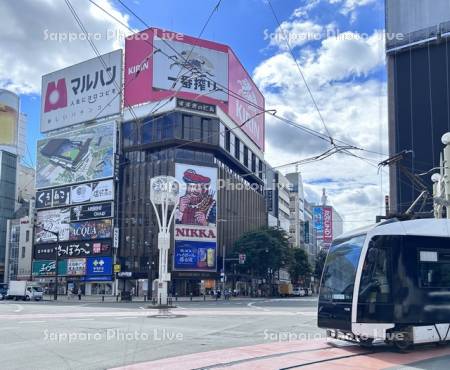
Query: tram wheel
x=365 y=342
x=402 y=345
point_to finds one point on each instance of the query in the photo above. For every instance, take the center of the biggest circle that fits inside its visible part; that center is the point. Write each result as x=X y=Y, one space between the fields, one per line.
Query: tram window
x=340 y=270
x=434 y=268
x=375 y=279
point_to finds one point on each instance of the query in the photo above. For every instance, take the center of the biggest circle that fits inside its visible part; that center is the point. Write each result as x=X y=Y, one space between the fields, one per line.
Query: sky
x=338 y=45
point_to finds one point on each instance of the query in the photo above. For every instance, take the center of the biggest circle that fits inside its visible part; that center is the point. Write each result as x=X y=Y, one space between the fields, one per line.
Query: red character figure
x=197 y=206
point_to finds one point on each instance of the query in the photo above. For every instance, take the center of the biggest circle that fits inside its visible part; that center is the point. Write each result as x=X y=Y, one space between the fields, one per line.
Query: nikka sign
x=82 y=92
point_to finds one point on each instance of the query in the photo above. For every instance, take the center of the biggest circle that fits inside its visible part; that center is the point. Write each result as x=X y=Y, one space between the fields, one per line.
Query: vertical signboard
x=327 y=224
x=196 y=220
x=318 y=220
x=82 y=92
x=249 y=104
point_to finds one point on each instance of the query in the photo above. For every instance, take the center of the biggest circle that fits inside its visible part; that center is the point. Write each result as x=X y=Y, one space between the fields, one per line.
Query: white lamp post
x=164 y=191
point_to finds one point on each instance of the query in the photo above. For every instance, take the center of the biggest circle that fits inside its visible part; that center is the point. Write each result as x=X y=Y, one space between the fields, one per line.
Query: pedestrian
x=79 y=294
x=132 y=291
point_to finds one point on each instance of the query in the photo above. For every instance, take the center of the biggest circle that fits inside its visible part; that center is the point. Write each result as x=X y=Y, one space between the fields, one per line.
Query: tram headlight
x=446 y=138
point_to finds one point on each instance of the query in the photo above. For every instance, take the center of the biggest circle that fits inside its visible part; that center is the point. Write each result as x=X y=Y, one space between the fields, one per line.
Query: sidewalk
x=111 y=299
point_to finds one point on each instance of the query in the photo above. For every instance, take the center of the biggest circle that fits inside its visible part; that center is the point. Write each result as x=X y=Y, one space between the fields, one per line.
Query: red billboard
x=327 y=224
x=160 y=64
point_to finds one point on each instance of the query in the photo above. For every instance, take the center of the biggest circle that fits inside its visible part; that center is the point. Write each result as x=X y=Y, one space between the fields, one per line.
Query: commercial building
x=297 y=209
x=417 y=45
x=200 y=120
x=277 y=194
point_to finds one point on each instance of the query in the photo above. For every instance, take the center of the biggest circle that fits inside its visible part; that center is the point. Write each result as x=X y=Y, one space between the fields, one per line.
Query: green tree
x=298 y=266
x=266 y=248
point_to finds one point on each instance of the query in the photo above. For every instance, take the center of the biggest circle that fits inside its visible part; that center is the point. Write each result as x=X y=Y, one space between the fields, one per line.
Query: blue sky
x=347 y=77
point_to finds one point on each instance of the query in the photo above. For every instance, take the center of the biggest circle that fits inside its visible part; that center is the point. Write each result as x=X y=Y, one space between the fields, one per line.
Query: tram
x=390 y=281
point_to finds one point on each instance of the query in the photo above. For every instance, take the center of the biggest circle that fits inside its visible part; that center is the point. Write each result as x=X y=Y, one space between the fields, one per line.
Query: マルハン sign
x=82 y=92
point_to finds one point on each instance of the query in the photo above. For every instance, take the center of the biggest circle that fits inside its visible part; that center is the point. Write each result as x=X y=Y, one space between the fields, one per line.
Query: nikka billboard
x=159 y=63
x=82 y=92
x=196 y=219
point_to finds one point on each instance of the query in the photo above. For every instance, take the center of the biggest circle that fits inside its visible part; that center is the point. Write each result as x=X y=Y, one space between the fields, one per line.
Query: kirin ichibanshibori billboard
x=84 y=155
x=82 y=92
x=159 y=63
x=196 y=219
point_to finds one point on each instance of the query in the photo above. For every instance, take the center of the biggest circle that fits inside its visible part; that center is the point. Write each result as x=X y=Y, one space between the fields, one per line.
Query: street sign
x=117 y=268
x=242 y=258
x=116 y=238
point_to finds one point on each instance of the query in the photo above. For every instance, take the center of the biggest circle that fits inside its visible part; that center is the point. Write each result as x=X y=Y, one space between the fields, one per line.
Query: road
x=241 y=333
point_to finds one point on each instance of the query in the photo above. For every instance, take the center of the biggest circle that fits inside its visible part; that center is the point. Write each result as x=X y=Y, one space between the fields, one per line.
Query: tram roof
x=428 y=226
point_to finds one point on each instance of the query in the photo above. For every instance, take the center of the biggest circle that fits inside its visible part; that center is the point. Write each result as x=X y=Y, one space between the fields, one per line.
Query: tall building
x=417 y=45
x=297 y=210
x=277 y=194
x=8 y=168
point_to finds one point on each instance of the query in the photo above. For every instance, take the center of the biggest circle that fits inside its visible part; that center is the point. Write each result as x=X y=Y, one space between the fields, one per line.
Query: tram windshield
x=340 y=269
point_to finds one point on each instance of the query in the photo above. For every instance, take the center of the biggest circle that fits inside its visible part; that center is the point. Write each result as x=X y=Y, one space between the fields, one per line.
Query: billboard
x=48 y=268
x=150 y=74
x=158 y=62
x=98 y=266
x=72 y=249
x=91 y=230
x=195 y=256
x=318 y=220
x=92 y=192
x=327 y=224
x=240 y=111
x=82 y=92
x=9 y=120
x=76 y=267
x=70 y=195
x=202 y=70
x=90 y=211
x=84 y=155
x=55 y=220
x=196 y=218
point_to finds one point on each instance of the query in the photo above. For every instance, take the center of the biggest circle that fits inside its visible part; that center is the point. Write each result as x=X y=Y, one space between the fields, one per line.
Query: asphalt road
x=93 y=335
x=72 y=335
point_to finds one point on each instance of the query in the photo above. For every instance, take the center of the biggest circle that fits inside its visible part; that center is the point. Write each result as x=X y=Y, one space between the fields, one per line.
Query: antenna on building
x=324 y=197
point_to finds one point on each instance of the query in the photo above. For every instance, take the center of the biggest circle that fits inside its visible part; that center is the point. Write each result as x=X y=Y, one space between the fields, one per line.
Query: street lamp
x=164 y=191
x=55 y=233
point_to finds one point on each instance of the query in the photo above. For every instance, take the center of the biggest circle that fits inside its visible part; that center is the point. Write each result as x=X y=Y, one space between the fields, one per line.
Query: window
x=27 y=236
x=434 y=268
x=23 y=252
x=376 y=276
x=237 y=145
x=146 y=132
x=254 y=163
x=340 y=269
x=245 y=156
x=227 y=139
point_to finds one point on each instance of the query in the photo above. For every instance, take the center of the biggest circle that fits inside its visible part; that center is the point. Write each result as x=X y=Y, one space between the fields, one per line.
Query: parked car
x=299 y=292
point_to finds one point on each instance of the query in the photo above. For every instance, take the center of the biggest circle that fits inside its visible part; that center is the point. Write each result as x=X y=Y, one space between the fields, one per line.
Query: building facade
x=417 y=47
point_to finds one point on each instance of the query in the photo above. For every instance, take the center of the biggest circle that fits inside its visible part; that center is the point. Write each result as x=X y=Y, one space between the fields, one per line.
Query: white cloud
x=354 y=106
x=26 y=54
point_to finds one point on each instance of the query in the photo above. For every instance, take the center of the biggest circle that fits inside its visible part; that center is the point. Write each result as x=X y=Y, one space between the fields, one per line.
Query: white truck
x=25 y=290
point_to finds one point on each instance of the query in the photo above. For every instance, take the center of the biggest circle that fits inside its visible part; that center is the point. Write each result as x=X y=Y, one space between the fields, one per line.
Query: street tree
x=298 y=266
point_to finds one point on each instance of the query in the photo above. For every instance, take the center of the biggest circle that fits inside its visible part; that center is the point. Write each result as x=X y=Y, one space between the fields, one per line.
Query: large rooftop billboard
x=9 y=116
x=82 y=92
x=161 y=64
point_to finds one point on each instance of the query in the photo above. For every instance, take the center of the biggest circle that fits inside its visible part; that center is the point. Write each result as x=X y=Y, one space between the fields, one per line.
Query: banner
x=91 y=211
x=61 y=197
x=55 y=220
x=82 y=92
x=72 y=249
x=88 y=230
x=195 y=219
x=318 y=220
x=195 y=256
x=84 y=155
x=44 y=199
x=327 y=224
x=99 y=266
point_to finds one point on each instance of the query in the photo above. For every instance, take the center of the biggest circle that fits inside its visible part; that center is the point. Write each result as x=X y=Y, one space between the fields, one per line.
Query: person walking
x=79 y=294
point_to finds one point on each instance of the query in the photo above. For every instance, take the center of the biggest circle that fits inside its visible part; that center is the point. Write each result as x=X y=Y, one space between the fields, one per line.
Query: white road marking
x=126 y=317
x=31 y=321
x=19 y=308
x=81 y=319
